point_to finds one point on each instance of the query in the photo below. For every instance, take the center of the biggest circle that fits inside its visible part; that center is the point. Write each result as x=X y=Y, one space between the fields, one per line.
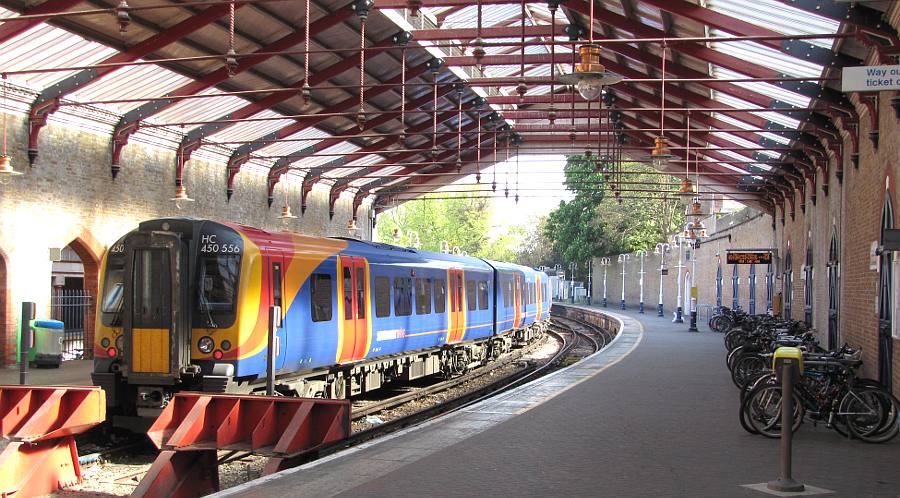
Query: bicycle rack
x=194 y=426
x=40 y=423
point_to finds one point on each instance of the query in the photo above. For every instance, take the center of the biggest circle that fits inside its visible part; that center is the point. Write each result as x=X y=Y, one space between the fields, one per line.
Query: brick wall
x=69 y=195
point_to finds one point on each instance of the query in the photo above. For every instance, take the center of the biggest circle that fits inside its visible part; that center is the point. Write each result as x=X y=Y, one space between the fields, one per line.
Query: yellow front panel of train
x=150 y=353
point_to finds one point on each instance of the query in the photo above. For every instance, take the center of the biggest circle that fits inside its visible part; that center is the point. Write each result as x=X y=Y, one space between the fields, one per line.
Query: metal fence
x=70 y=306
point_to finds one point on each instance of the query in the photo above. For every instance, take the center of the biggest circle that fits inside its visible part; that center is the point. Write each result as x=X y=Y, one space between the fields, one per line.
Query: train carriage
x=187 y=304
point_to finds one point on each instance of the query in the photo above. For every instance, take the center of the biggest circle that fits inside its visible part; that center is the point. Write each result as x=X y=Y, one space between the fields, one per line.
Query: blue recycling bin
x=46 y=346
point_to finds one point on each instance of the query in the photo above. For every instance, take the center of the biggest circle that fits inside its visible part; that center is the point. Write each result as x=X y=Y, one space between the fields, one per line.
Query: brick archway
x=89 y=251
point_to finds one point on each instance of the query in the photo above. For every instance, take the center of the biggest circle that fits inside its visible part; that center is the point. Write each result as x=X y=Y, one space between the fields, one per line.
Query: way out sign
x=870 y=78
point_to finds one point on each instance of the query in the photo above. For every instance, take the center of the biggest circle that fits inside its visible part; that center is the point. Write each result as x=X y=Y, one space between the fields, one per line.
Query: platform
x=69 y=373
x=661 y=422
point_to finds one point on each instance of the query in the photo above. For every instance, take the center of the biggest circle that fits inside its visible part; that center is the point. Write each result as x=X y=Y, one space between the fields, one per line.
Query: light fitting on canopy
x=181 y=196
x=590 y=76
x=352 y=227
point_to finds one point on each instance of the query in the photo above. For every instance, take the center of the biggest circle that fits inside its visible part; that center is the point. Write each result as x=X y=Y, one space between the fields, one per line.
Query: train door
x=354 y=340
x=517 y=301
x=156 y=322
x=456 y=316
x=537 y=298
x=275 y=270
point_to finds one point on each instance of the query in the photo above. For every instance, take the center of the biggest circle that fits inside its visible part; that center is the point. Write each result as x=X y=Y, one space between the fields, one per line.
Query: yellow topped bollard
x=788 y=365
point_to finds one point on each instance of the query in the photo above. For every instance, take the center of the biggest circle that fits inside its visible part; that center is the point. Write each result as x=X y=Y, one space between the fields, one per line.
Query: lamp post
x=590 y=281
x=623 y=258
x=557 y=267
x=678 y=242
x=604 y=262
x=641 y=254
x=572 y=266
x=662 y=249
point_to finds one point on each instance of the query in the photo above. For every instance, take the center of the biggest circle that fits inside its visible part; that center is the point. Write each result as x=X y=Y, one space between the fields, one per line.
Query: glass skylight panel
x=767 y=57
x=782 y=119
x=777 y=16
x=765 y=89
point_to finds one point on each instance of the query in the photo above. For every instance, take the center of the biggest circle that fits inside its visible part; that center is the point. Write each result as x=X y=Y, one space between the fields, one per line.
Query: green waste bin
x=46 y=348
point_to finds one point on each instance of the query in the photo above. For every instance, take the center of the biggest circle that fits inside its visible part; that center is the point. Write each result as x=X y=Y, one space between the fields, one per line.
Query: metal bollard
x=25 y=341
x=788 y=364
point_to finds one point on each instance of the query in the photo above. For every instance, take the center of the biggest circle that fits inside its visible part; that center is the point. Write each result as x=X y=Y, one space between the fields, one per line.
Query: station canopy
x=378 y=99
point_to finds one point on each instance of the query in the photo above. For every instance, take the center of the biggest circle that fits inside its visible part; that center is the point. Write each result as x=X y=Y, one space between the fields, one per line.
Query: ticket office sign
x=749 y=257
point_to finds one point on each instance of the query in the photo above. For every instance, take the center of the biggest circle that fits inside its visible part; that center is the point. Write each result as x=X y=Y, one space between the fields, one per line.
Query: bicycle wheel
x=734 y=338
x=733 y=356
x=748 y=366
x=763 y=410
x=871 y=414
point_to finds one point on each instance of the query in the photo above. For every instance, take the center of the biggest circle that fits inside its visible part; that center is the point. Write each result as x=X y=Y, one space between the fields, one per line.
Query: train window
x=470 y=295
x=530 y=293
x=382 y=297
x=508 y=293
x=360 y=293
x=402 y=296
x=440 y=295
x=423 y=296
x=114 y=290
x=320 y=290
x=218 y=282
x=482 y=294
x=348 y=294
x=152 y=291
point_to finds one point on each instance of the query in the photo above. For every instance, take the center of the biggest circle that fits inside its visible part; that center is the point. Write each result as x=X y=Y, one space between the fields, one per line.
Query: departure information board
x=749 y=257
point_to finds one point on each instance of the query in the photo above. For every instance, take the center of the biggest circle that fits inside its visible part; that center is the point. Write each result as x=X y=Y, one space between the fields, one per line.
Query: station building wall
x=68 y=196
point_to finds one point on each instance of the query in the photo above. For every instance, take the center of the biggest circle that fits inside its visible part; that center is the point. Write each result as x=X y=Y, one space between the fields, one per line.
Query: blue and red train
x=186 y=306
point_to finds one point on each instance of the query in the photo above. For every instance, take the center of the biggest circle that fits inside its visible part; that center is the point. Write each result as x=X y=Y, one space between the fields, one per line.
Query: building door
x=885 y=293
x=719 y=284
x=354 y=345
x=752 y=307
x=833 y=294
x=808 y=285
x=735 y=287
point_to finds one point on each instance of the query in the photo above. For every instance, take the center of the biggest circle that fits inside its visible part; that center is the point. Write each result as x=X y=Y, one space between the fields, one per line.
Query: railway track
x=576 y=340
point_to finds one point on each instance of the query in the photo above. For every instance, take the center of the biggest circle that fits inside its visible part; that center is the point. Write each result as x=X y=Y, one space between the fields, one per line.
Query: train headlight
x=104 y=342
x=226 y=345
x=120 y=343
x=206 y=344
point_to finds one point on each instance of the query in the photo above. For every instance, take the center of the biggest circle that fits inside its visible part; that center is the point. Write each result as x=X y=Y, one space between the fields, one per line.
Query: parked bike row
x=829 y=391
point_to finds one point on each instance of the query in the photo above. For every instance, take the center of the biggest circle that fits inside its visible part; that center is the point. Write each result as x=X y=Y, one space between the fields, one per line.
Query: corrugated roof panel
x=766 y=57
x=46 y=47
x=204 y=109
x=251 y=129
x=775 y=117
x=766 y=89
x=131 y=83
x=292 y=144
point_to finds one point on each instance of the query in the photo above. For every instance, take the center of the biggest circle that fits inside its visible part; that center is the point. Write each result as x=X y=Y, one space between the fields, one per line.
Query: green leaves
x=594 y=224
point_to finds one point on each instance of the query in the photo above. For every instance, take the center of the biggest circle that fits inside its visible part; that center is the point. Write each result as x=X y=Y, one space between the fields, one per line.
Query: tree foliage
x=461 y=220
x=595 y=223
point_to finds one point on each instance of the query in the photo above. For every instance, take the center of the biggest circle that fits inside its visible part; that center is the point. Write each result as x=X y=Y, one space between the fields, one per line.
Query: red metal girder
x=344 y=182
x=439 y=34
x=10 y=30
x=277 y=170
x=194 y=138
x=715 y=19
x=40 y=423
x=467 y=148
x=48 y=101
x=508 y=60
x=402 y=4
x=131 y=121
x=311 y=178
x=193 y=426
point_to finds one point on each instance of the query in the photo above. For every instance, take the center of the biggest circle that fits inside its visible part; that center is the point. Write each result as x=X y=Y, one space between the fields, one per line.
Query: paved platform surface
x=70 y=373
x=662 y=422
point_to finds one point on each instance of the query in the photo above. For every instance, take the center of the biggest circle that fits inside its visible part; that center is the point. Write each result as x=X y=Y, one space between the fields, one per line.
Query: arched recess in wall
x=808 y=283
x=7 y=323
x=735 y=287
x=751 y=284
x=788 y=294
x=78 y=306
x=718 y=282
x=833 y=291
x=885 y=304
